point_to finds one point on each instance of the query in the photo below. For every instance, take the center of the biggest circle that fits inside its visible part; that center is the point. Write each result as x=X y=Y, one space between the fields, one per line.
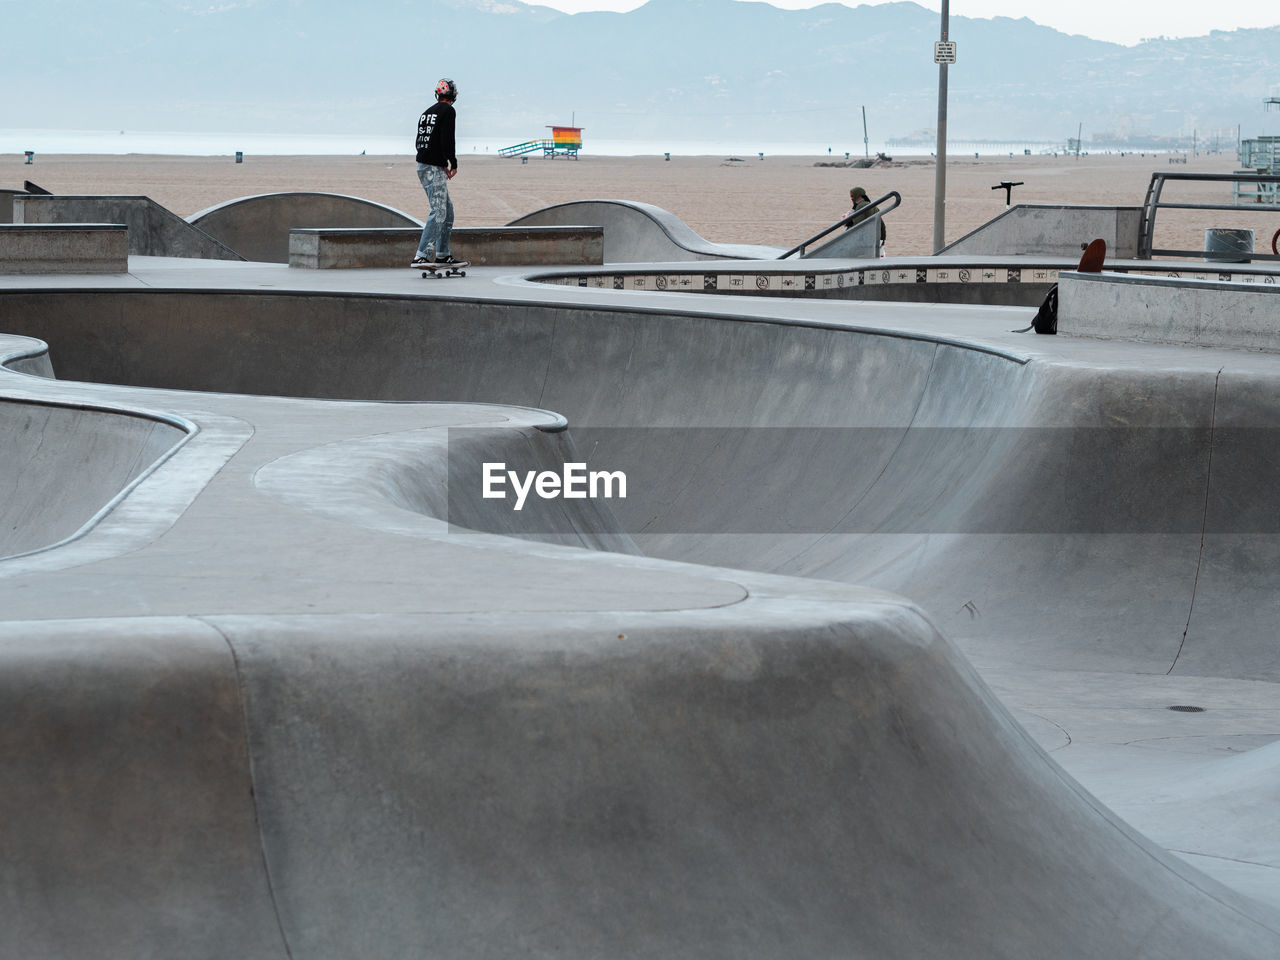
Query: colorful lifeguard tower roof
x=568 y=139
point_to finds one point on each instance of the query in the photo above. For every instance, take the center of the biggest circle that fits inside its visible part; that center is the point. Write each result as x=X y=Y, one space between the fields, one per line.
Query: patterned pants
x=439 y=225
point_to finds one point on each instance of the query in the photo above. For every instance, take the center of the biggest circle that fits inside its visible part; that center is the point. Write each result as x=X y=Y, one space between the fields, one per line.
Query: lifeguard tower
x=563 y=140
x=1259 y=155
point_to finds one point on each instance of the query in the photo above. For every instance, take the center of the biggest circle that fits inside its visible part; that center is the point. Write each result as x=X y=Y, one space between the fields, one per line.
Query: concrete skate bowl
x=872 y=798
x=642 y=233
x=924 y=458
x=64 y=466
x=258 y=227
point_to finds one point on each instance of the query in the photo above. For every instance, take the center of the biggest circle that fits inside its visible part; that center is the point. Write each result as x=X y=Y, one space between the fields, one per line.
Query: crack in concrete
x=1204 y=520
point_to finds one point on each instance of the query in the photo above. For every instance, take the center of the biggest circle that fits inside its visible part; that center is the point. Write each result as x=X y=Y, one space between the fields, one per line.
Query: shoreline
x=221 y=143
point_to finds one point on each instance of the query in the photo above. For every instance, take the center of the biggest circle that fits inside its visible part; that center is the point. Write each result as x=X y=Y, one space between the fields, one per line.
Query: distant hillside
x=672 y=68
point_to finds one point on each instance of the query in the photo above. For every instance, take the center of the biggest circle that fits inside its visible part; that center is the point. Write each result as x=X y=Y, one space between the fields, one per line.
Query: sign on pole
x=944 y=51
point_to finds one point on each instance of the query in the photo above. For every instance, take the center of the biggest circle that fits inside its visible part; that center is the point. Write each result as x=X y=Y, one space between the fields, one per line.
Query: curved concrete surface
x=309 y=719
x=642 y=233
x=64 y=465
x=258 y=227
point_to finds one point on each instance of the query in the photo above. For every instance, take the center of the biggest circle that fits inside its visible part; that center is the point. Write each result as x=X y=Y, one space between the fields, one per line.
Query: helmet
x=446 y=89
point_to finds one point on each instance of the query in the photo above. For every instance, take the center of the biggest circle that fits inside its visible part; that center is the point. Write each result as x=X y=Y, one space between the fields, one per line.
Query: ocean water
x=19 y=141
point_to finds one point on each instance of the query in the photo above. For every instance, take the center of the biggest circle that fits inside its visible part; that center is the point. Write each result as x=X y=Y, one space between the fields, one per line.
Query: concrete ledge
x=1202 y=313
x=64 y=248
x=336 y=247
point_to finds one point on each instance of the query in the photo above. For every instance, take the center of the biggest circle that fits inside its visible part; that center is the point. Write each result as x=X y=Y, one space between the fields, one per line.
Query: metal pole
x=940 y=175
x=866 y=143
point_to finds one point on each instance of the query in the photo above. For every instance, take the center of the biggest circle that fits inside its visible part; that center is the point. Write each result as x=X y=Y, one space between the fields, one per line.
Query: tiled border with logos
x=775 y=281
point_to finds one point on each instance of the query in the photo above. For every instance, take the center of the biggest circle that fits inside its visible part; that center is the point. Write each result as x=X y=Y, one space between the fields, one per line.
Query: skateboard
x=444 y=269
x=1093 y=256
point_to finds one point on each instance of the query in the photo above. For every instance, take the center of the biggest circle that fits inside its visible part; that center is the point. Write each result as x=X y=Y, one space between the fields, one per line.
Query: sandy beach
x=777 y=200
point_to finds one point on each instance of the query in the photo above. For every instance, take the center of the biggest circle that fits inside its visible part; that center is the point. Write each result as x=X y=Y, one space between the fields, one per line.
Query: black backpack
x=1046 y=318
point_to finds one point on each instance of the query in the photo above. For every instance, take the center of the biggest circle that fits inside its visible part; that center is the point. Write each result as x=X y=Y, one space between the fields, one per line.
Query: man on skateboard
x=437 y=165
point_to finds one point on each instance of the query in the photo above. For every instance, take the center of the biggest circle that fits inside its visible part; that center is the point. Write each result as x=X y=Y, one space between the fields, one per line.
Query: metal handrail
x=1153 y=203
x=847 y=218
x=529 y=146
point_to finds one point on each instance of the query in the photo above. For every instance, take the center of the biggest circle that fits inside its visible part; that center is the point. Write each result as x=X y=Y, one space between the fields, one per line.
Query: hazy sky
x=1120 y=21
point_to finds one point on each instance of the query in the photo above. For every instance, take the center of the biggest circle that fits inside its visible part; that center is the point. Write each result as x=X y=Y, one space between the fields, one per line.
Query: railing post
x=1149 y=216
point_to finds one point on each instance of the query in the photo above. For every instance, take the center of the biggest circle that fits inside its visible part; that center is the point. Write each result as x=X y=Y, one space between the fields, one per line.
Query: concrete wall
x=1203 y=313
x=64 y=248
x=331 y=248
x=258 y=227
x=153 y=230
x=1054 y=230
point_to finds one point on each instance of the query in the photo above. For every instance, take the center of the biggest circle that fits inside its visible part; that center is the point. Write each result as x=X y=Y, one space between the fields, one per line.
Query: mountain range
x=676 y=69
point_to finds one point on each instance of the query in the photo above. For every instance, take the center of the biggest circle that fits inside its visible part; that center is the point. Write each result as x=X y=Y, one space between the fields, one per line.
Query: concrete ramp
x=1060 y=230
x=258 y=227
x=859 y=242
x=154 y=231
x=642 y=233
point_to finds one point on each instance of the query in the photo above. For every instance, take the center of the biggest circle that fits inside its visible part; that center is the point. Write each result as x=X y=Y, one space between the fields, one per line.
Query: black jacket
x=435 y=141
